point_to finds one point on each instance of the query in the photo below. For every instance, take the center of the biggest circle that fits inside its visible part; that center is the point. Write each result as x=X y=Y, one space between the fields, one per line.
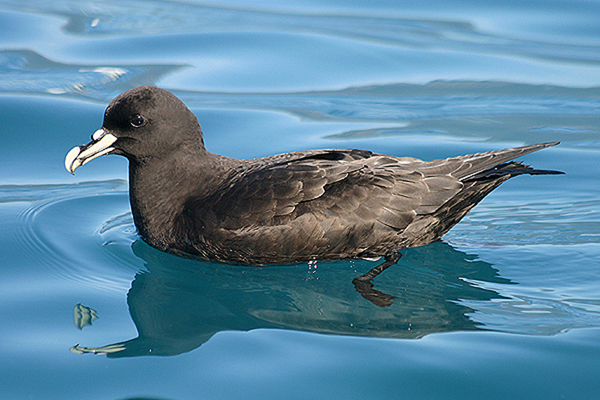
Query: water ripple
x=66 y=225
x=25 y=71
x=527 y=224
x=504 y=111
x=137 y=17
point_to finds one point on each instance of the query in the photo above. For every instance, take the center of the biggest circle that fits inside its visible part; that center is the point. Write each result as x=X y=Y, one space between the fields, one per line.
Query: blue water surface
x=507 y=306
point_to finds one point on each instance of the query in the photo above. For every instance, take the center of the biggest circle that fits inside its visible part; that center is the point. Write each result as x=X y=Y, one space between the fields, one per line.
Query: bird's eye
x=137 y=121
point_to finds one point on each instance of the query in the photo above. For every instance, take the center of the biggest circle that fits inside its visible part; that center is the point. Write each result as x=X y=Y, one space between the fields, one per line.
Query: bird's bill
x=100 y=145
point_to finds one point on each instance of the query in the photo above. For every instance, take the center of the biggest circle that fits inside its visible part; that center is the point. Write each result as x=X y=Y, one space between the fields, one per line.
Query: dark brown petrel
x=317 y=204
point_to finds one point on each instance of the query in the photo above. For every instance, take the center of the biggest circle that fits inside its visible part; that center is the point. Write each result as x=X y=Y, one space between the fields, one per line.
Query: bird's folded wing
x=386 y=190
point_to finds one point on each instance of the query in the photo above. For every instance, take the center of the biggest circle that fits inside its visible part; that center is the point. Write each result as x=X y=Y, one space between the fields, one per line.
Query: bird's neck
x=160 y=190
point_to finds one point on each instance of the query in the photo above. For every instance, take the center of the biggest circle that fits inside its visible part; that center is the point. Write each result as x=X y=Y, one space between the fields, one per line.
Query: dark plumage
x=320 y=204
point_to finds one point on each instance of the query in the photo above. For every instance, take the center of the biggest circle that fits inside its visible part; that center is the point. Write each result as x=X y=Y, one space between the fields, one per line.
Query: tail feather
x=477 y=164
x=476 y=187
x=511 y=169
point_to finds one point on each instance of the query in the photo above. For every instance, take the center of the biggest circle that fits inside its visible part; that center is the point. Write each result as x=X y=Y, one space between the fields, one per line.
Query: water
x=506 y=306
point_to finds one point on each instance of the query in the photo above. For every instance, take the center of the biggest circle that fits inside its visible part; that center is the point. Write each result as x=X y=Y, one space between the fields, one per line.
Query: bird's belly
x=295 y=242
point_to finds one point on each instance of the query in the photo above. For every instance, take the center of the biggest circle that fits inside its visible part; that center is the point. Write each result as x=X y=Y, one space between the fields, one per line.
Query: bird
x=287 y=208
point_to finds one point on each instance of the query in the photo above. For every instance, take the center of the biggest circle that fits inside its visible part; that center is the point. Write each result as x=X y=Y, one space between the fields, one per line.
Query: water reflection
x=83 y=316
x=177 y=304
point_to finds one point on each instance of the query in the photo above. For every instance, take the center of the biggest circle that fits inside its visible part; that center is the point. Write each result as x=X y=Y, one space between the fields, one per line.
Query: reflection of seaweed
x=179 y=304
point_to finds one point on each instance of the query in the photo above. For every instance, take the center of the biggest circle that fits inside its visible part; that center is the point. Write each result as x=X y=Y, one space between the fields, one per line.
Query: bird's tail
x=477 y=187
x=510 y=169
x=478 y=164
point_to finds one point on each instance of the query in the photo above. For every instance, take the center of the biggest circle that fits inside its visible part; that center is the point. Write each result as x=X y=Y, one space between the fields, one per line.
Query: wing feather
x=346 y=185
x=390 y=191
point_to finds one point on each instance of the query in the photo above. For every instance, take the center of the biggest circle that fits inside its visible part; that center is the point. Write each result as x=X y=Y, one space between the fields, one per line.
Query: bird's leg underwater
x=365 y=287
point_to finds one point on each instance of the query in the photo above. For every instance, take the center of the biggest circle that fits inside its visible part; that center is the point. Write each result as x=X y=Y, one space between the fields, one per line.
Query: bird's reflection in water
x=179 y=304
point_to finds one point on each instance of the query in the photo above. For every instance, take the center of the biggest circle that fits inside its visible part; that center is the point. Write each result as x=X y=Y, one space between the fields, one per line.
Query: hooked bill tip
x=71 y=161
